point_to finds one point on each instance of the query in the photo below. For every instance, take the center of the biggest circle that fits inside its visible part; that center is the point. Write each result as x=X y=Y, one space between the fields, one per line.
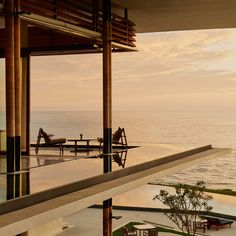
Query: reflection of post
x=10 y=189
x=25 y=183
x=107 y=111
x=17 y=185
x=2 y=140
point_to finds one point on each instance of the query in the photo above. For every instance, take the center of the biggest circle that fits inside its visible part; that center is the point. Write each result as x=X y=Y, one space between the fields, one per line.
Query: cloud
x=168 y=66
x=188 y=47
x=170 y=53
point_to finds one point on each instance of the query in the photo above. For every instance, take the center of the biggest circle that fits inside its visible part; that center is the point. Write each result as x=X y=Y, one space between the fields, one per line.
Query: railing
x=85 y=16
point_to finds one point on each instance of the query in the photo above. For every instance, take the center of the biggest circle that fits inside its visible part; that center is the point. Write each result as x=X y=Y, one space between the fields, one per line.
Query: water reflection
x=120 y=157
x=17 y=185
x=42 y=161
x=14 y=185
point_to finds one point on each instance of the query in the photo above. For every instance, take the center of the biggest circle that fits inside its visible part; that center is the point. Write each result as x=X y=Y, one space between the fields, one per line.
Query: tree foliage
x=186 y=204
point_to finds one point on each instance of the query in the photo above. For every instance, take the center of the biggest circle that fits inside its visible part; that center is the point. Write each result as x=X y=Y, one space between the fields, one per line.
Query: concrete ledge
x=162 y=210
x=20 y=215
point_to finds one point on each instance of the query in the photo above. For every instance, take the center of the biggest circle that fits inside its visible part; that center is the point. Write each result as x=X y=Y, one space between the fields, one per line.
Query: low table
x=143 y=227
x=76 y=140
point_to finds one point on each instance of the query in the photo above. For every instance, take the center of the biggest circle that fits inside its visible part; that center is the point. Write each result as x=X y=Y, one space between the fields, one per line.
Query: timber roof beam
x=71 y=23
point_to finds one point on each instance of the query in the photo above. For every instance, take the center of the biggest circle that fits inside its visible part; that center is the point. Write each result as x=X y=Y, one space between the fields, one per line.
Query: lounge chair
x=200 y=223
x=118 y=138
x=217 y=222
x=150 y=233
x=49 y=142
x=128 y=232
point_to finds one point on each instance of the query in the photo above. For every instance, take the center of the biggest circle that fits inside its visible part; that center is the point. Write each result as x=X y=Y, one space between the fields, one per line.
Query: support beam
x=10 y=86
x=107 y=111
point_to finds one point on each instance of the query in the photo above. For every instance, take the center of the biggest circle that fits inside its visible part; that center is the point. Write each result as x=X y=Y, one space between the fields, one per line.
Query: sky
x=172 y=71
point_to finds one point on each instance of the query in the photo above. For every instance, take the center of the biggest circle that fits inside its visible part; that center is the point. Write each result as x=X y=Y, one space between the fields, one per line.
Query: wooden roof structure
x=46 y=27
x=69 y=26
x=175 y=15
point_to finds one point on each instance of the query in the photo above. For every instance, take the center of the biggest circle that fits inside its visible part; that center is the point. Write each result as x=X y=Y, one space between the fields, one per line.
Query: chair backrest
x=125 y=231
x=44 y=135
x=117 y=135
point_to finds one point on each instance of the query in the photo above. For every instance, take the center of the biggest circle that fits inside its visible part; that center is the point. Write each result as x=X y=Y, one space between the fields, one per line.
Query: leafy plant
x=185 y=205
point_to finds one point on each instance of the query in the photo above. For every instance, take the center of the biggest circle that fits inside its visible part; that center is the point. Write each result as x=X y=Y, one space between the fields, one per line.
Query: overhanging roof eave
x=61 y=26
x=172 y=15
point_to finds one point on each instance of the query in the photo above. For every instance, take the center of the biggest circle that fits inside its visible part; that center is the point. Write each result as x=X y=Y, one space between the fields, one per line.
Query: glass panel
x=2 y=106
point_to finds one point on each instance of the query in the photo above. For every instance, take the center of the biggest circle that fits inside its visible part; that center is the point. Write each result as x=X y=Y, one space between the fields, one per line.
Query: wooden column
x=95 y=10
x=107 y=111
x=25 y=104
x=28 y=106
x=18 y=85
x=10 y=86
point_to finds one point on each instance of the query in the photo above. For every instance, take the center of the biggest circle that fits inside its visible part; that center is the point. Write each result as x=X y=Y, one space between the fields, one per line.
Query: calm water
x=172 y=128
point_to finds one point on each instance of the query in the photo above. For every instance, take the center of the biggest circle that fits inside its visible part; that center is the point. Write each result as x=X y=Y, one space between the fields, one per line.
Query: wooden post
x=95 y=10
x=107 y=111
x=10 y=86
x=28 y=106
x=126 y=13
x=18 y=85
x=25 y=111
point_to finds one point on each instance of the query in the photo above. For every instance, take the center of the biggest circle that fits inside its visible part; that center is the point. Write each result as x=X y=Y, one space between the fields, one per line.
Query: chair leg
x=124 y=139
x=61 y=148
x=100 y=145
x=38 y=143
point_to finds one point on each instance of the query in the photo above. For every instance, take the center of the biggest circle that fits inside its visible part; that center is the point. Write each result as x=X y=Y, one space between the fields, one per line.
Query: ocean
x=167 y=128
x=170 y=128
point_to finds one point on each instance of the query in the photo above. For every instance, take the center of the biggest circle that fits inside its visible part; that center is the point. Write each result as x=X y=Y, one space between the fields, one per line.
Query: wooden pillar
x=95 y=10
x=28 y=106
x=25 y=104
x=107 y=111
x=10 y=86
x=18 y=85
x=25 y=121
x=126 y=13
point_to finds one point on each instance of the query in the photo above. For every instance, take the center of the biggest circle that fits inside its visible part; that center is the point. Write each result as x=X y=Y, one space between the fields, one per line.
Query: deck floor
x=49 y=169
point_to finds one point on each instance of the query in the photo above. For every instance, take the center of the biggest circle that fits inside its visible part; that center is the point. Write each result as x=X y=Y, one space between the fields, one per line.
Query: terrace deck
x=67 y=196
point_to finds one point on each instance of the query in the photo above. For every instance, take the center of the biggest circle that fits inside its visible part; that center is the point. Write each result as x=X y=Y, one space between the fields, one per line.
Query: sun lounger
x=127 y=232
x=49 y=142
x=118 y=138
x=216 y=222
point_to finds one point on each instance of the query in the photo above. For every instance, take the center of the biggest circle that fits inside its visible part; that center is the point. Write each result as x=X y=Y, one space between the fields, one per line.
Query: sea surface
x=172 y=128
x=167 y=128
